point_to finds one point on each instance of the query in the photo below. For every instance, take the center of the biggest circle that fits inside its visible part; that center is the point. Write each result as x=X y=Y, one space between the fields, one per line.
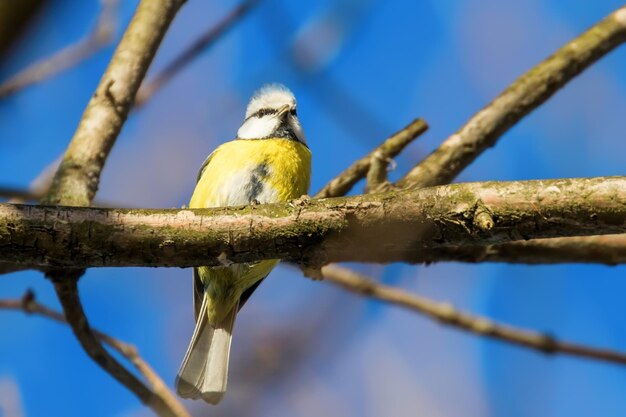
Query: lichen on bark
x=387 y=227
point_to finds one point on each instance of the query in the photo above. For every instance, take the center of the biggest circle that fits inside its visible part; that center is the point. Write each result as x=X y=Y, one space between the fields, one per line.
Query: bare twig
x=67 y=292
x=29 y=305
x=204 y=42
x=376 y=180
x=39 y=186
x=68 y=57
x=446 y=314
x=520 y=98
x=76 y=181
x=159 y=398
x=390 y=148
x=384 y=227
x=19 y=194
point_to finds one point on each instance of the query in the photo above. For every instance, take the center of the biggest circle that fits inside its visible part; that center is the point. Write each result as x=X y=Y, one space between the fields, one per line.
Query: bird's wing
x=204 y=165
x=257 y=272
x=198 y=287
x=198 y=293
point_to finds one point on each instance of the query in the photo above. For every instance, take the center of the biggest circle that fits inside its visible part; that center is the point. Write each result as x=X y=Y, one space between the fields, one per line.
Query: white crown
x=270 y=96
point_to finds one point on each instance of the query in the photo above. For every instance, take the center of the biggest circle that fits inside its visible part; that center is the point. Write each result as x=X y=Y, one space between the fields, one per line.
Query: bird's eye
x=293 y=112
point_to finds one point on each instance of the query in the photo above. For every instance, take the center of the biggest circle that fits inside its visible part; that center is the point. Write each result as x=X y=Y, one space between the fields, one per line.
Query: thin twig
x=390 y=148
x=29 y=305
x=22 y=196
x=19 y=194
x=376 y=179
x=523 y=96
x=38 y=188
x=200 y=45
x=41 y=184
x=68 y=57
x=446 y=314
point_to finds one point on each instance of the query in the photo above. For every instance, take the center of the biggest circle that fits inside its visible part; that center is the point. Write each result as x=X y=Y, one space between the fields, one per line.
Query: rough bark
x=394 y=226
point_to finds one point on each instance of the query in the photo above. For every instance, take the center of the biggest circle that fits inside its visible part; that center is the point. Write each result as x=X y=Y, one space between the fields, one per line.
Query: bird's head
x=272 y=113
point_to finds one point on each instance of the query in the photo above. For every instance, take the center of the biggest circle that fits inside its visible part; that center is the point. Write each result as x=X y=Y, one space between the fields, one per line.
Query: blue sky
x=304 y=348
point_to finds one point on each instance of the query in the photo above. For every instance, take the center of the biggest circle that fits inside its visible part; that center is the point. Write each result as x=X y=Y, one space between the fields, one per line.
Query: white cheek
x=257 y=127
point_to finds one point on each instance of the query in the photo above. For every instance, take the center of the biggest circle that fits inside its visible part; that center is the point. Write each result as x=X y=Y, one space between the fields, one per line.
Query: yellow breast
x=247 y=170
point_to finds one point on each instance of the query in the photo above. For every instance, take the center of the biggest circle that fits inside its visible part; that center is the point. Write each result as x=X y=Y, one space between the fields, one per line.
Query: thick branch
x=446 y=314
x=520 y=98
x=395 y=226
x=390 y=148
x=77 y=179
x=604 y=249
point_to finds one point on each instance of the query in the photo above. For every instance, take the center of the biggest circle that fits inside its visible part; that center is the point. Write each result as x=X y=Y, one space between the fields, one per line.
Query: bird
x=269 y=161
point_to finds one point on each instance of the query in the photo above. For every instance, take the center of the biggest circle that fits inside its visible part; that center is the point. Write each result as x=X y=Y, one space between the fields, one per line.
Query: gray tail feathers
x=204 y=371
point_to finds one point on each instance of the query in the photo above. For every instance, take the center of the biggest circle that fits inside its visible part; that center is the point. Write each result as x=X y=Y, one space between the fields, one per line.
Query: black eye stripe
x=264 y=112
x=268 y=111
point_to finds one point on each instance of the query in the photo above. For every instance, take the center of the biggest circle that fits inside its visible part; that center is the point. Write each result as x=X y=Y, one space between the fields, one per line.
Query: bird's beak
x=284 y=111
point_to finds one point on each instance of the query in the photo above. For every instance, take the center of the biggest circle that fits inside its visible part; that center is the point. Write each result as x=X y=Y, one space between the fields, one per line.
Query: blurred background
x=361 y=69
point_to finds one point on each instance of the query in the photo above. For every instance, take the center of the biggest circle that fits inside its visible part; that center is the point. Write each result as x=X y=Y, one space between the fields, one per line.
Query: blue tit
x=268 y=162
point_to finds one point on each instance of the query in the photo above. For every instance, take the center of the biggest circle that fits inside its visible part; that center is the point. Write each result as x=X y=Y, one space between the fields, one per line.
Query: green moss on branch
x=396 y=226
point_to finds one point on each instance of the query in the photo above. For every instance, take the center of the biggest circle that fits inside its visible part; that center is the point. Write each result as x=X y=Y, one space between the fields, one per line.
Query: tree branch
x=520 y=98
x=446 y=314
x=78 y=176
x=68 y=57
x=377 y=180
x=389 y=227
x=204 y=42
x=76 y=181
x=605 y=249
x=20 y=194
x=29 y=305
x=390 y=148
